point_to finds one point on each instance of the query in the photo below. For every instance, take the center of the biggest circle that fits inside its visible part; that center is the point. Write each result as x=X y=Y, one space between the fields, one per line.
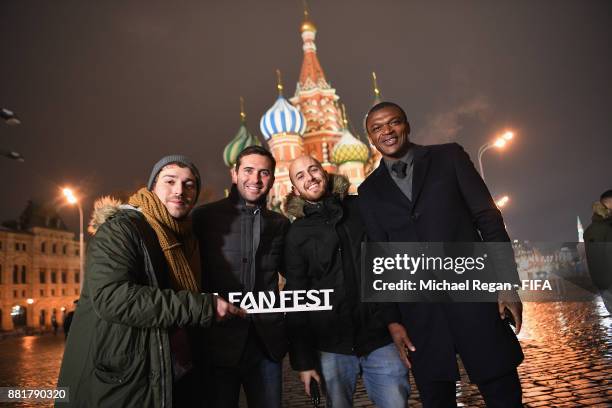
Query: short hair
x=606 y=195
x=379 y=106
x=249 y=150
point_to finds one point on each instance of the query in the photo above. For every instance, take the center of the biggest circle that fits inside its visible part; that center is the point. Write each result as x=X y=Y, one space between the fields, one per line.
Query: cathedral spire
x=241 y=140
x=242 y=113
x=311 y=75
x=377 y=95
x=279 y=82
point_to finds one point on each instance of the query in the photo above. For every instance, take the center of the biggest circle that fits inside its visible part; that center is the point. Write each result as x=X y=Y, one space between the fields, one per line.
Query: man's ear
x=234 y=172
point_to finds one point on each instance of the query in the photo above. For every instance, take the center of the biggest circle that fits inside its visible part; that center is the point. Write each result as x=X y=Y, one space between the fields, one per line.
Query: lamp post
x=73 y=200
x=499 y=143
x=9 y=117
x=9 y=154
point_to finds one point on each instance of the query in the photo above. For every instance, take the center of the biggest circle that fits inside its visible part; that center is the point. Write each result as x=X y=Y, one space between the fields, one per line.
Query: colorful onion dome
x=243 y=139
x=282 y=117
x=348 y=149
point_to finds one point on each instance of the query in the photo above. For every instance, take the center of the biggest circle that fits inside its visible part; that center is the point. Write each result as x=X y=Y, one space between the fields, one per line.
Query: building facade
x=39 y=270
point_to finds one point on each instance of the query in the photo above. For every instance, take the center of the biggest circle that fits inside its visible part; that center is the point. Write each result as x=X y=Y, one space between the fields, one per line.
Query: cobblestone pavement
x=568 y=361
x=567 y=346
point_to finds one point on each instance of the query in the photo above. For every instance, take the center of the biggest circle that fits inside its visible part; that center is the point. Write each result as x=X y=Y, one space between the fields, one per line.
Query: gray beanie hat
x=175 y=158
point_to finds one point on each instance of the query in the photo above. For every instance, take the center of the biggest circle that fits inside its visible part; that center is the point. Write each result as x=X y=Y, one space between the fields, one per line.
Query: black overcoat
x=450 y=203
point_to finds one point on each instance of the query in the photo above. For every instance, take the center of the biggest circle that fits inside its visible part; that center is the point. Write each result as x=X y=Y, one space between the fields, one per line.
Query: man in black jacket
x=598 y=246
x=434 y=194
x=241 y=244
x=322 y=251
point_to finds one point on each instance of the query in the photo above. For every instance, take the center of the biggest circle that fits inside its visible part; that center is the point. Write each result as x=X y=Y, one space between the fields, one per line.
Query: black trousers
x=501 y=392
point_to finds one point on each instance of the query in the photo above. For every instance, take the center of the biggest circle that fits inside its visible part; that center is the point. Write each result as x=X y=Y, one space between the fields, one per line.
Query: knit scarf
x=174 y=236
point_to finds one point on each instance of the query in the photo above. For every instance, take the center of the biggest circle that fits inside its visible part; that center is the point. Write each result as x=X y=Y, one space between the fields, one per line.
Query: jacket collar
x=239 y=202
x=295 y=205
x=421 y=165
x=387 y=186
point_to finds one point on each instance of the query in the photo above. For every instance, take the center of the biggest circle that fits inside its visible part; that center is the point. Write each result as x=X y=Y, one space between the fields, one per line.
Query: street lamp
x=9 y=117
x=502 y=201
x=70 y=197
x=11 y=155
x=498 y=143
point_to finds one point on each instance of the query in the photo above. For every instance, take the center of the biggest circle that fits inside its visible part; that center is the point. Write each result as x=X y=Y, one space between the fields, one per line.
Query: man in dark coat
x=322 y=251
x=434 y=194
x=598 y=246
x=126 y=346
x=241 y=244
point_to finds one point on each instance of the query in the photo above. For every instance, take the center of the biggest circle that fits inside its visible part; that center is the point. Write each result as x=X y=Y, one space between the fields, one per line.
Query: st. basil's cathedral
x=312 y=122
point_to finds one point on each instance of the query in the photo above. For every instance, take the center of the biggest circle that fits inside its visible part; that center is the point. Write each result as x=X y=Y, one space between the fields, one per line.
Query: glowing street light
x=502 y=201
x=500 y=142
x=9 y=117
x=71 y=198
x=9 y=154
x=30 y=301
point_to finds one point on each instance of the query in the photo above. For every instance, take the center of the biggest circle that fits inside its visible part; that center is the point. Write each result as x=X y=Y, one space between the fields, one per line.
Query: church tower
x=243 y=139
x=317 y=100
x=350 y=155
x=282 y=126
x=375 y=156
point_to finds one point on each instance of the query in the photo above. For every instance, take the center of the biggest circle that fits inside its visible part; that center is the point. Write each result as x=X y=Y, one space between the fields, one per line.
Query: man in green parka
x=128 y=345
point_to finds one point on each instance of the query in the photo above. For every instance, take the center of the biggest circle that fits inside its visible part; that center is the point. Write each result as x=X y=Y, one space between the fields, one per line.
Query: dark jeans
x=260 y=377
x=502 y=392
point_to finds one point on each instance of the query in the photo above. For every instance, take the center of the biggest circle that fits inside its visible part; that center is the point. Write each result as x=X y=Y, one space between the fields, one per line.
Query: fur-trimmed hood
x=337 y=183
x=601 y=211
x=104 y=208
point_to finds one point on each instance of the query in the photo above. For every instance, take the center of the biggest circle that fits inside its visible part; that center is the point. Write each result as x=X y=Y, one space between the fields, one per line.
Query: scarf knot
x=174 y=236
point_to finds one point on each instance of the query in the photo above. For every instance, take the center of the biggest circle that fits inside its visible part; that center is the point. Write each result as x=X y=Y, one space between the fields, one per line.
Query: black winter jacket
x=598 y=245
x=219 y=227
x=322 y=251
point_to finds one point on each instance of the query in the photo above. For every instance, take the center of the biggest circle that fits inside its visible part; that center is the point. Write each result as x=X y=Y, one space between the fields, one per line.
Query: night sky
x=105 y=89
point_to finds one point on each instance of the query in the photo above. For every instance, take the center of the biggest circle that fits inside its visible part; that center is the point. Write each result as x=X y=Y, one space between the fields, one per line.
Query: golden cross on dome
x=279 y=83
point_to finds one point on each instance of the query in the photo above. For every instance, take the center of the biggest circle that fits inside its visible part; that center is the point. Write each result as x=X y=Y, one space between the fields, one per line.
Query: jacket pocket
x=120 y=379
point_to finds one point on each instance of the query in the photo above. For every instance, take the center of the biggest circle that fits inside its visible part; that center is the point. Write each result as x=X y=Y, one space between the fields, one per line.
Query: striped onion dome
x=282 y=117
x=349 y=148
x=243 y=139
